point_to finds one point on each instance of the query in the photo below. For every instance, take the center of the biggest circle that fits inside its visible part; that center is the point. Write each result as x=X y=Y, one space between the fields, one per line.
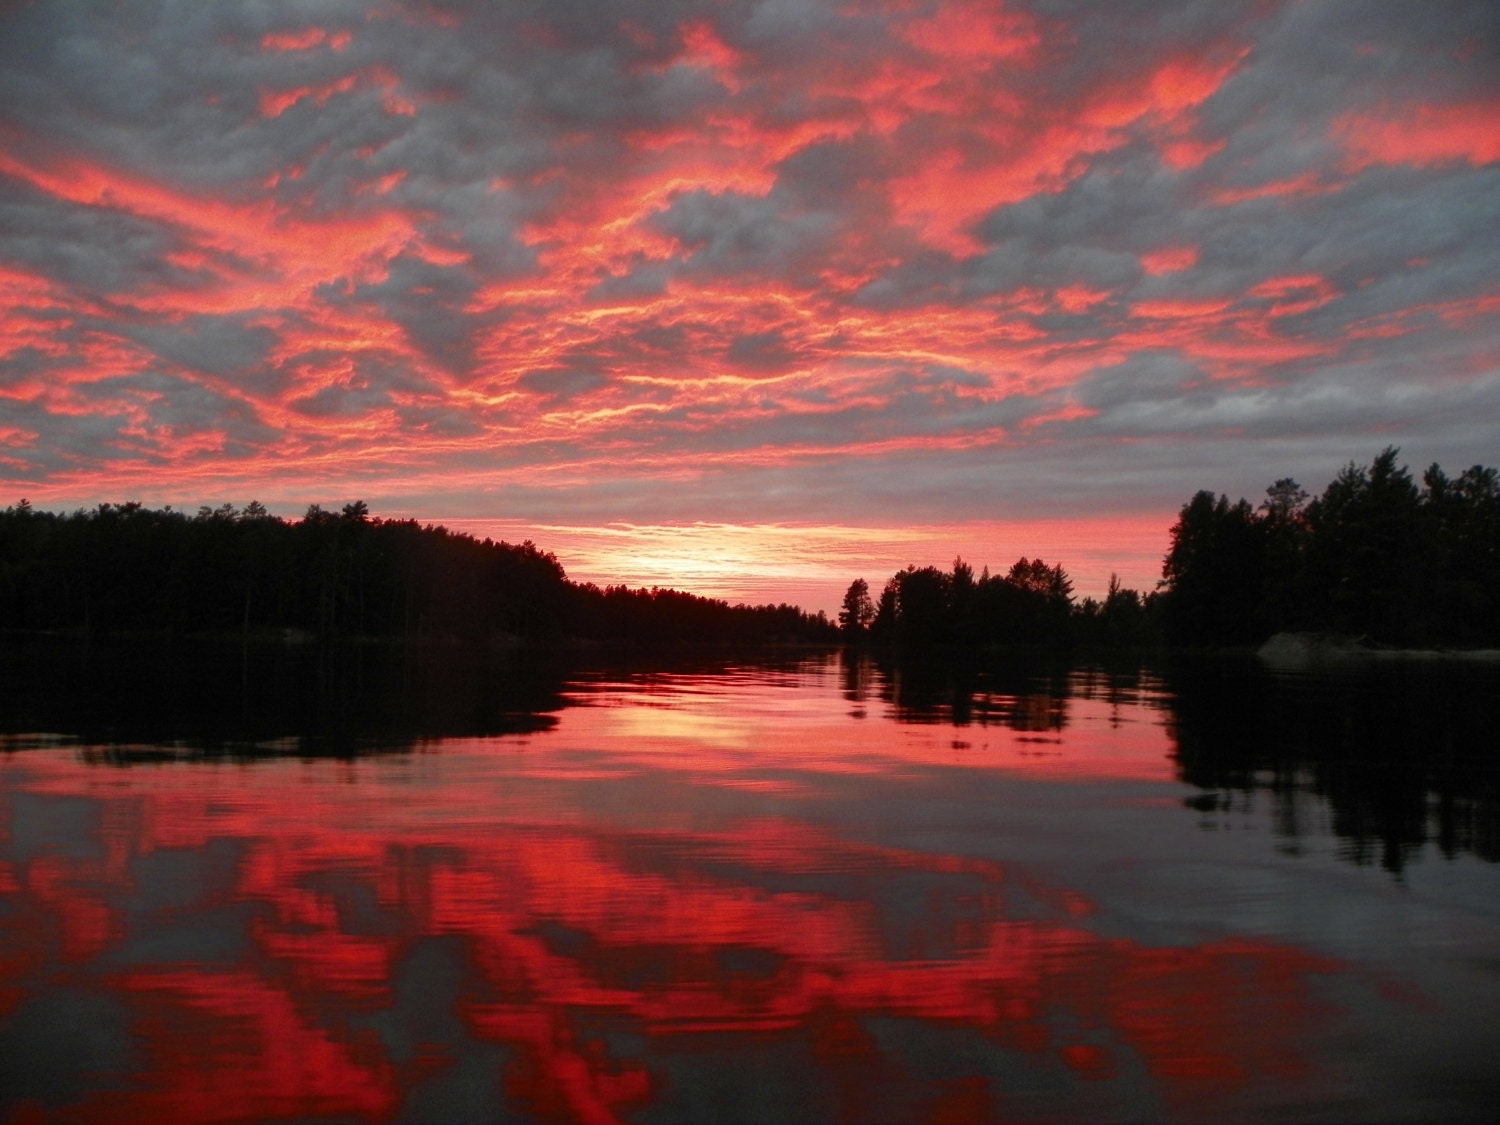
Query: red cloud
x=1183 y=308
x=1300 y=293
x=29 y=319
x=969 y=169
x=1081 y=298
x=1068 y=412
x=971 y=33
x=1169 y=259
x=1421 y=135
x=1307 y=185
x=288 y=256
x=1165 y=101
x=273 y=103
x=304 y=40
x=702 y=47
x=956 y=184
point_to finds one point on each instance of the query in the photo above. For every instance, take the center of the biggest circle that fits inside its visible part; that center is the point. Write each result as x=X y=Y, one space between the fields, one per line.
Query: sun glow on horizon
x=812 y=565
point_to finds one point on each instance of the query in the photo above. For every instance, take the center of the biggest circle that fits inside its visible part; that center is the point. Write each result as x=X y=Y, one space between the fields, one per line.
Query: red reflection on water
x=243 y=1044
x=763 y=927
x=721 y=731
x=60 y=886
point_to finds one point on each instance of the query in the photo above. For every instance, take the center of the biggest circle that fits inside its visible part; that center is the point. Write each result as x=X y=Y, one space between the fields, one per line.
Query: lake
x=297 y=884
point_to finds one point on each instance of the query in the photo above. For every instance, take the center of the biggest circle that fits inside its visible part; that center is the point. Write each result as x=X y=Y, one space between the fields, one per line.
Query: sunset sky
x=750 y=297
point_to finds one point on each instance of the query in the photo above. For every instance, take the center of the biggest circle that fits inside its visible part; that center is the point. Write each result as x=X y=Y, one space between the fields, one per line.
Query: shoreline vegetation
x=1374 y=567
x=125 y=569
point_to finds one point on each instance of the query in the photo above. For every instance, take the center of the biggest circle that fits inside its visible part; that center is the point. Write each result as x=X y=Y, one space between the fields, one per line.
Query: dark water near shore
x=296 y=884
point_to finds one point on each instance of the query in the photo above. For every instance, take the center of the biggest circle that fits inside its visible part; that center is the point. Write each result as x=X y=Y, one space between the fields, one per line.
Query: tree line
x=1031 y=604
x=1375 y=557
x=127 y=568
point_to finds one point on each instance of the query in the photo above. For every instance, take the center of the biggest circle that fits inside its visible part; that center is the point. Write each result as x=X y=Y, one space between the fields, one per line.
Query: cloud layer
x=785 y=260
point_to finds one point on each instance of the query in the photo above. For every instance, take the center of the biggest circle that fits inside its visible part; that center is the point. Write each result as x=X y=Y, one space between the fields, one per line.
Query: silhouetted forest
x=1376 y=557
x=1031 y=604
x=125 y=568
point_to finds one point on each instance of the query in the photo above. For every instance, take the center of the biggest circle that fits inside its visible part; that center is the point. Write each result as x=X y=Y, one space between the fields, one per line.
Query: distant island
x=1376 y=558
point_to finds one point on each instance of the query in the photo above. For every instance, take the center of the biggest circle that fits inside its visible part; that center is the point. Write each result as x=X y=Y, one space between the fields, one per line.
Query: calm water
x=315 y=886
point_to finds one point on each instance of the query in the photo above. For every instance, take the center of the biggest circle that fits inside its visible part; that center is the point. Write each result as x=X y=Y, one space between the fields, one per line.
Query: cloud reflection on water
x=691 y=893
x=600 y=957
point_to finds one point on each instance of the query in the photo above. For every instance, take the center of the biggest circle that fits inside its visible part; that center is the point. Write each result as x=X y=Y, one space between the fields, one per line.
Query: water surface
x=312 y=886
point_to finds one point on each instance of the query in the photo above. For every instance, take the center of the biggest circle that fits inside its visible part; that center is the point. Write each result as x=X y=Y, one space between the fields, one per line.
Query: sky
x=749 y=297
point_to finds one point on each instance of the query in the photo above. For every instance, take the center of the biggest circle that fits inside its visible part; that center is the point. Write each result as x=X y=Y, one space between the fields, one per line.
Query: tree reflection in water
x=1401 y=754
x=203 y=699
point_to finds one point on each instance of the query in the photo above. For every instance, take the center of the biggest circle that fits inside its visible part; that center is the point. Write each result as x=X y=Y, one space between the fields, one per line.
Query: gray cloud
x=561 y=384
